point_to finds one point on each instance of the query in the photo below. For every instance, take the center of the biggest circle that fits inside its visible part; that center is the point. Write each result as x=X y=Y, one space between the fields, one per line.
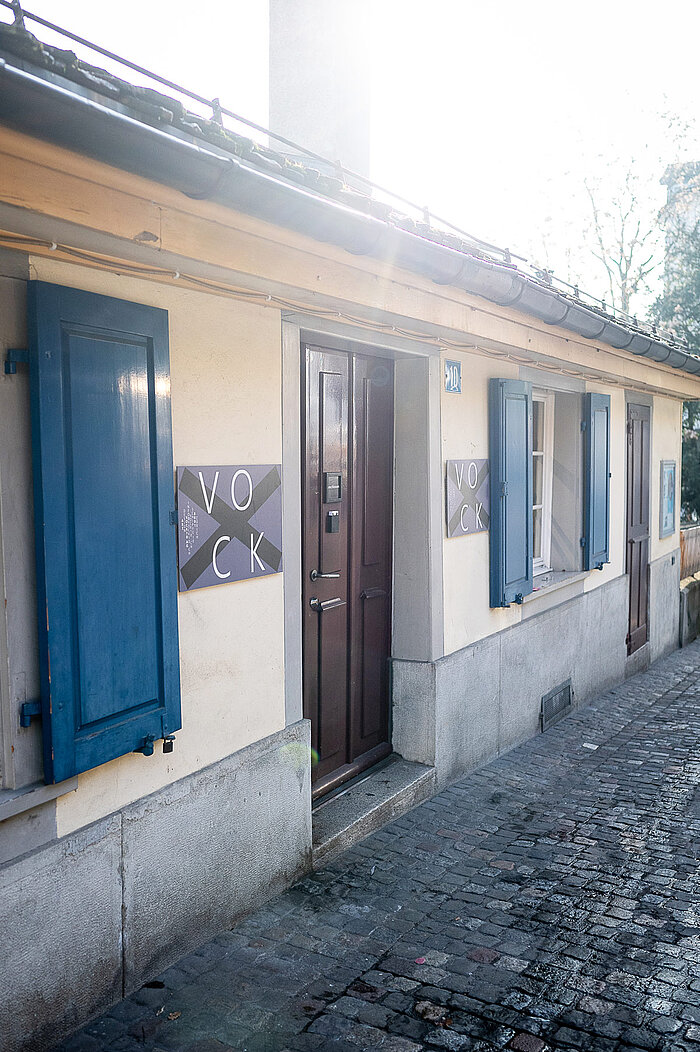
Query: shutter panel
x=510 y=452
x=103 y=491
x=596 y=529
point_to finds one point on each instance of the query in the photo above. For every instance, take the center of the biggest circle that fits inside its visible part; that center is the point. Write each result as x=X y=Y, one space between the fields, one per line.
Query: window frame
x=543 y=563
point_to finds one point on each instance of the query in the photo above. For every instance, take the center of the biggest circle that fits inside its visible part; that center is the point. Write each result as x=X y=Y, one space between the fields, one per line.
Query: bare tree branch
x=625 y=240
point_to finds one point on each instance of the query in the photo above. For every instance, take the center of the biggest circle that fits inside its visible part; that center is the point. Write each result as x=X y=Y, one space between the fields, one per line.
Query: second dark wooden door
x=638 y=435
x=347 y=545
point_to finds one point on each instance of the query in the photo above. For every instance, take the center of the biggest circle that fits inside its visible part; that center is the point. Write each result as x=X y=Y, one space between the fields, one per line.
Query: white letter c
x=215 y=568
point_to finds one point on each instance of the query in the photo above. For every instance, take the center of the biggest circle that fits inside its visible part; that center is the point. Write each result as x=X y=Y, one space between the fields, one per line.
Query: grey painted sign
x=468 y=499
x=229 y=524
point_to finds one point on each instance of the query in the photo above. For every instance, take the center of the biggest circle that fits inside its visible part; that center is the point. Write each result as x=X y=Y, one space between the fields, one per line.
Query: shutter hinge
x=504 y=489
x=13 y=358
x=582 y=542
x=173 y=517
x=27 y=711
x=583 y=425
x=630 y=427
x=628 y=639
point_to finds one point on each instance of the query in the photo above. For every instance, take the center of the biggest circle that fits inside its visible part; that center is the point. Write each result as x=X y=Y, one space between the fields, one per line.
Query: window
x=550 y=491
x=542 y=470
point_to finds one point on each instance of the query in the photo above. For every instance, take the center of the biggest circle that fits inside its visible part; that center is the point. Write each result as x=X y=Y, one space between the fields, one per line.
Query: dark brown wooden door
x=638 y=435
x=347 y=544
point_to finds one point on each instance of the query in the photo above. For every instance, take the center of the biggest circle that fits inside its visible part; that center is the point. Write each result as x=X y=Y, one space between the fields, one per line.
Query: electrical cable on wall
x=85 y=258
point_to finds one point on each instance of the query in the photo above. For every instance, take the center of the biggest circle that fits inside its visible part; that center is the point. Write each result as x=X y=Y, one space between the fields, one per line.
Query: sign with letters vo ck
x=229 y=524
x=468 y=500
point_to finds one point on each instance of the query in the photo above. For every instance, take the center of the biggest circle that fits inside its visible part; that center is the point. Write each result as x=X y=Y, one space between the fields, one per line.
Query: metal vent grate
x=556 y=704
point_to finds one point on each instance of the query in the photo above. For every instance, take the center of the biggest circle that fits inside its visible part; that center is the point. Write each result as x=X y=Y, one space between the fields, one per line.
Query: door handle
x=330 y=604
x=316 y=576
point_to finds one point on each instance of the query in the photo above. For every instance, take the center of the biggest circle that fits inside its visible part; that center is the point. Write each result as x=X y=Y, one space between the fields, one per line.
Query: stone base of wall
x=689 y=615
x=461 y=711
x=664 y=600
x=97 y=913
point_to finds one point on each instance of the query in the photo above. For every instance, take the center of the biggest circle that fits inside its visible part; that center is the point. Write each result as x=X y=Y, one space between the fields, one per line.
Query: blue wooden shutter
x=103 y=492
x=596 y=529
x=510 y=454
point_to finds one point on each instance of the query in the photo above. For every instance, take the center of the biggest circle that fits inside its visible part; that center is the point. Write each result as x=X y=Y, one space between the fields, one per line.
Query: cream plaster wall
x=468 y=616
x=666 y=434
x=225 y=360
x=222 y=413
x=465 y=434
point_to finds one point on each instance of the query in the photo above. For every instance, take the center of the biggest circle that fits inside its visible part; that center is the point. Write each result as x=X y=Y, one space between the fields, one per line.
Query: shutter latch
x=582 y=542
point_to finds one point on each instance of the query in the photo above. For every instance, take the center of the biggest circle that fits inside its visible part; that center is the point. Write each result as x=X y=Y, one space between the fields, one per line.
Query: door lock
x=316 y=576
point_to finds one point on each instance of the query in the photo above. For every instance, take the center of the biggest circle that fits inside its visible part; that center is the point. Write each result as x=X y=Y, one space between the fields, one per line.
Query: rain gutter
x=56 y=110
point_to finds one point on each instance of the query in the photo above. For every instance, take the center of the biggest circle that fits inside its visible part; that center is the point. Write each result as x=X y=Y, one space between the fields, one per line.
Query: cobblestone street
x=547 y=901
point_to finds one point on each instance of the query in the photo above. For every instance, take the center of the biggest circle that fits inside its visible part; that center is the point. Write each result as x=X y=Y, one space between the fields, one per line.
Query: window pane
x=537 y=475
x=537 y=534
x=538 y=425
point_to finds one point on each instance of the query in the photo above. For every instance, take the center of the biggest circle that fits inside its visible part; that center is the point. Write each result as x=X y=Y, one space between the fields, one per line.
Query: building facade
x=288 y=487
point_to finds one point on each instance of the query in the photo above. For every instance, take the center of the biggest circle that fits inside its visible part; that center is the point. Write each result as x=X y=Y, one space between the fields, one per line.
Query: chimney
x=319 y=78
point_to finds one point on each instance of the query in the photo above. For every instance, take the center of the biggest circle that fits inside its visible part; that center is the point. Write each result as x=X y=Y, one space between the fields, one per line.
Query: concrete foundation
x=100 y=911
x=60 y=914
x=462 y=710
x=384 y=795
x=664 y=600
x=689 y=613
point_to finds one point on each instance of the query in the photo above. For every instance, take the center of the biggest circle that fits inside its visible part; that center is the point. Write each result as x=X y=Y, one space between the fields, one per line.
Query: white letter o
x=237 y=506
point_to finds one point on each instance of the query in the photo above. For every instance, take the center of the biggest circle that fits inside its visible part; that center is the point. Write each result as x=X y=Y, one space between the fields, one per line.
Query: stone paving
x=547 y=901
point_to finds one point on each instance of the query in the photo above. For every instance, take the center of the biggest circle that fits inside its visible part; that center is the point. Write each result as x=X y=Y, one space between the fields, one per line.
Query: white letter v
x=208 y=504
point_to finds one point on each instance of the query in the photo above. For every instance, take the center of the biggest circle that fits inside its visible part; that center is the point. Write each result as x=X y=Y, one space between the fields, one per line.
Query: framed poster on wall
x=667 y=504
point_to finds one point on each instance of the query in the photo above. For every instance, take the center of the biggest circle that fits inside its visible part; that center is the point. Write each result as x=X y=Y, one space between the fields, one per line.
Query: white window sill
x=552 y=580
x=16 y=801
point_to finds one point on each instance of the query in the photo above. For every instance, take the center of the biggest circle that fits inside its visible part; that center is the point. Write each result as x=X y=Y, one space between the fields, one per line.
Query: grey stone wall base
x=26 y=831
x=664 y=600
x=102 y=910
x=60 y=916
x=638 y=662
x=689 y=612
x=413 y=710
x=207 y=849
x=461 y=711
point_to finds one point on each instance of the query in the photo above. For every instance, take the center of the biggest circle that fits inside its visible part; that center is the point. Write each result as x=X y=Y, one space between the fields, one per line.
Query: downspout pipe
x=57 y=111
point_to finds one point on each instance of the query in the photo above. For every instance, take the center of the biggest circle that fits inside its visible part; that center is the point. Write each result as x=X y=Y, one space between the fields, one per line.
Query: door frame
x=414 y=638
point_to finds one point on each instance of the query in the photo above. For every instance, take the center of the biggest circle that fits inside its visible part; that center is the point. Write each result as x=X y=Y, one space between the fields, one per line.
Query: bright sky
x=490 y=113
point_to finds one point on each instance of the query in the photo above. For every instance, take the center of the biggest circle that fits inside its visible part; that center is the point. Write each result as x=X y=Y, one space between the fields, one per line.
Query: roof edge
x=56 y=110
